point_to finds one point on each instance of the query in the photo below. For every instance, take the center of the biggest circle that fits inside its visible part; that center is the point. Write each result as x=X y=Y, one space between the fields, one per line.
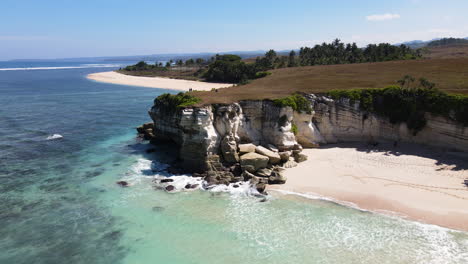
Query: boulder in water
x=170 y=188
x=260 y=187
x=191 y=186
x=123 y=183
x=166 y=180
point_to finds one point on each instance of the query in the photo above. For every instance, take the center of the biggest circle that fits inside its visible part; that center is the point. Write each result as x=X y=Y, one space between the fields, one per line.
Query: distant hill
x=447 y=41
x=416 y=44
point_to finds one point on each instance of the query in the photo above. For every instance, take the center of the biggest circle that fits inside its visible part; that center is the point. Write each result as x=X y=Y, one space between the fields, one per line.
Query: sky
x=33 y=29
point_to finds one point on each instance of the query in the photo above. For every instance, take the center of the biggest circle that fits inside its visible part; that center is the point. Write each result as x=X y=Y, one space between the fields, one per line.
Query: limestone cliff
x=210 y=138
x=343 y=121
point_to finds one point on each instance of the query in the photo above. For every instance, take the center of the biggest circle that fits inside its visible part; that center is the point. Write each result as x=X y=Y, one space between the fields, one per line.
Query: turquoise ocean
x=59 y=202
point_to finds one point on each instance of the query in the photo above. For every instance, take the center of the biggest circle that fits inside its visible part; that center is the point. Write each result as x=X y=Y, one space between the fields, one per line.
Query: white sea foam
x=156 y=171
x=54 y=136
x=82 y=66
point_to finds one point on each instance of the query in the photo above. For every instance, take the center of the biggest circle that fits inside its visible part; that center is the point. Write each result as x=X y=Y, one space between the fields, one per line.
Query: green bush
x=294 y=128
x=408 y=104
x=171 y=102
x=298 y=103
x=261 y=74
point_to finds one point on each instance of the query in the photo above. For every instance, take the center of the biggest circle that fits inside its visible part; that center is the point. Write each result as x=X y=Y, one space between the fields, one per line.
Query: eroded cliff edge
x=212 y=139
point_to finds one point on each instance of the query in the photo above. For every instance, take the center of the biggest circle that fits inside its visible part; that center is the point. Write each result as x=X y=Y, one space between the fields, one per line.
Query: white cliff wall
x=341 y=121
x=203 y=132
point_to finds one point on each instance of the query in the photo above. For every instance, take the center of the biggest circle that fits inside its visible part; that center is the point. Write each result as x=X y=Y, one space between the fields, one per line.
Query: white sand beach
x=416 y=182
x=154 y=82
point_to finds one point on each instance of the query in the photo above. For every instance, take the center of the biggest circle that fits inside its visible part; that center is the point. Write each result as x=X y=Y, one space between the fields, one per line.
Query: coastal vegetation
x=188 y=70
x=408 y=102
x=232 y=69
x=172 y=102
x=296 y=101
x=340 y=53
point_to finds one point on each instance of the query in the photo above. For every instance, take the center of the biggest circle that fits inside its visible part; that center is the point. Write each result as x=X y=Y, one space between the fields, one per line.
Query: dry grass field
x=448 y=52
x=450 y=75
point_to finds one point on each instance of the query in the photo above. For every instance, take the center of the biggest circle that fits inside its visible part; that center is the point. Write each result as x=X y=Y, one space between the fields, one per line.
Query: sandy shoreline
x=415 y=182
x=154 y=82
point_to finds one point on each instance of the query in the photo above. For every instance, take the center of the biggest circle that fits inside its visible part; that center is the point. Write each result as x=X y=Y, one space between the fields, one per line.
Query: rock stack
x=145 y=131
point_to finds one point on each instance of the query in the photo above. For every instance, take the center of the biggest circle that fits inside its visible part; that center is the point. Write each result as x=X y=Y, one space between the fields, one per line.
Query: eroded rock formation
x=255 y=140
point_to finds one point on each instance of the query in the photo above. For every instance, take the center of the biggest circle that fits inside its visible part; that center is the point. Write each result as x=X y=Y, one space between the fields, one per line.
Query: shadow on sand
x=456 y=161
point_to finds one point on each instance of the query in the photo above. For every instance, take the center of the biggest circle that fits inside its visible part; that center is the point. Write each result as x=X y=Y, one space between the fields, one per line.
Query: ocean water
x=59 y=202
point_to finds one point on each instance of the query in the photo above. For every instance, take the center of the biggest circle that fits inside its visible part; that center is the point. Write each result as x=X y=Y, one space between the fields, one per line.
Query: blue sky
x=82 y=28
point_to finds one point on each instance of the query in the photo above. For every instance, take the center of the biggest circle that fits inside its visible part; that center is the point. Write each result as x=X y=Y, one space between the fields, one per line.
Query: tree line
x=338 y=52
x=230 y=68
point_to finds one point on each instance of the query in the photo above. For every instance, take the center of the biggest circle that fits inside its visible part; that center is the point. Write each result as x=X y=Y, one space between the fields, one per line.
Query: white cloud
x=382 y=17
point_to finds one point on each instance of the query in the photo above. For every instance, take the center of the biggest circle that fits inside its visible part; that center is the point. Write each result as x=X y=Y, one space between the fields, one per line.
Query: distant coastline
x=154 y=82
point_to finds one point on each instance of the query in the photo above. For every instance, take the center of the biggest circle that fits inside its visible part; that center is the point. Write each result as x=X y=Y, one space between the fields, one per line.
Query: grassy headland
x=449 y=75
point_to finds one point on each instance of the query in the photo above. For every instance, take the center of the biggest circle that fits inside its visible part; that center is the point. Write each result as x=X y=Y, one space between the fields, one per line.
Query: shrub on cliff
x=298 y=103
x=172 y=102
x=408 y=105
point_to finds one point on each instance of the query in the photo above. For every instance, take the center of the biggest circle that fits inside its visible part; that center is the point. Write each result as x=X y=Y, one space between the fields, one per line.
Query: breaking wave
x=157 y=172
x=81 y=66
x=54 y=136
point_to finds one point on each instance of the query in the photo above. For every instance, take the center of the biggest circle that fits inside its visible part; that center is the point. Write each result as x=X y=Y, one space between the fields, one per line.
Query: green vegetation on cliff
x=408 y=103
x=172 y=102
x=298 y=103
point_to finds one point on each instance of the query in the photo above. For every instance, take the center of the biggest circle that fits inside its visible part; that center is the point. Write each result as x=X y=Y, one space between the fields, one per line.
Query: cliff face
x=212 y=134
x=342 y=121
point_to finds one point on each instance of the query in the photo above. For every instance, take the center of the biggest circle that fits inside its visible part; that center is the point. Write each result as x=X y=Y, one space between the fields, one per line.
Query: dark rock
x=263 y=200
x=175 y=170
x=166 y=180
x=260 y=187
x=157 y=208
x=263 y=172
x=300 y=157
x=236 y=179
x=295 y=152
x=276 y=178
x=247 y=175
x=235 y=186
x=170 y=188
x=466 y=182
x=284 y=156
x=297 y=147
x=191 y=186
x=151 y=150
x=122 y=183
x=236 y=169
x=197 y=175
